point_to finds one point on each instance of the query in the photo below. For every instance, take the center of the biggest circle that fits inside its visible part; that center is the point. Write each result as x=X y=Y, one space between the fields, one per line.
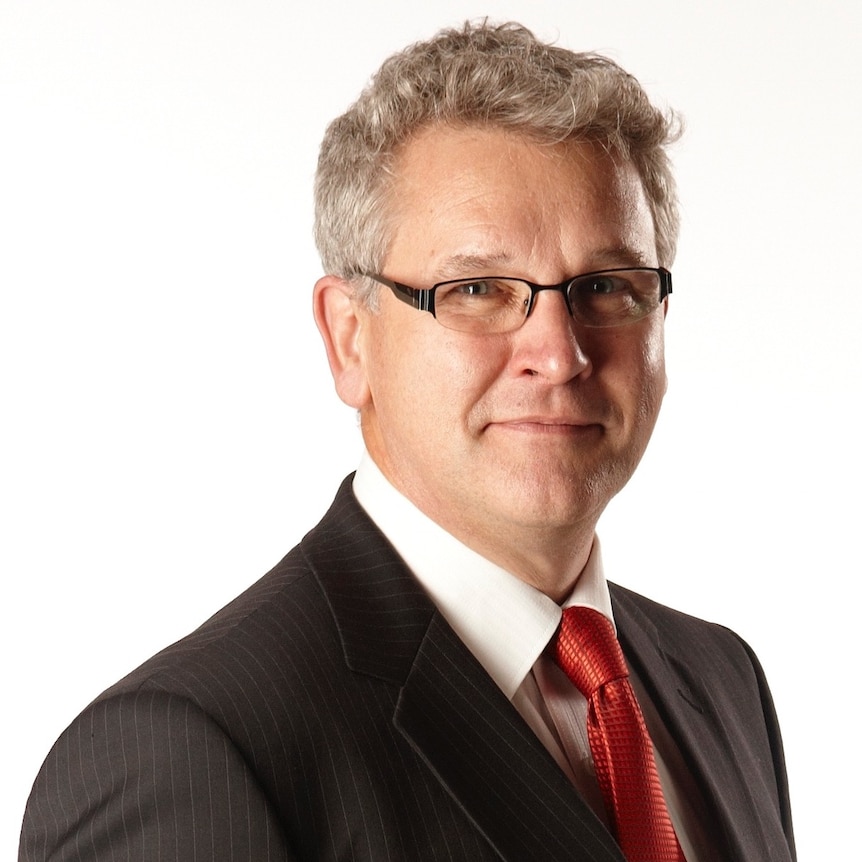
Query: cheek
x=476 y=380
x=390 y=371
x=653 y=352
x=458 y=369
x=424 y=375
x=630 y=364
x=653 y=376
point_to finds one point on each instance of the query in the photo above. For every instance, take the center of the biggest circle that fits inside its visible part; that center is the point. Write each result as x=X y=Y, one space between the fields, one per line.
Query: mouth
x=560 y=426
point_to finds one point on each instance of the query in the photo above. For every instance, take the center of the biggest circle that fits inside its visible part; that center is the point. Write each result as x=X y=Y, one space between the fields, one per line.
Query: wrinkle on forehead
x=464 y=216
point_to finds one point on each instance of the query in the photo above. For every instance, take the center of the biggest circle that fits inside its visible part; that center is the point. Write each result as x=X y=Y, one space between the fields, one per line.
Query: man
x=496 y=217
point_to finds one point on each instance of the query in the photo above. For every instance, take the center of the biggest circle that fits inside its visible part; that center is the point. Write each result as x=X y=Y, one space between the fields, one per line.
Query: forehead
x=471 y=192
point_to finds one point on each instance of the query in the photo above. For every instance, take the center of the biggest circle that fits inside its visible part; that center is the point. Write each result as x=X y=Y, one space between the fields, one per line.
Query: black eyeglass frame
x=423 y=298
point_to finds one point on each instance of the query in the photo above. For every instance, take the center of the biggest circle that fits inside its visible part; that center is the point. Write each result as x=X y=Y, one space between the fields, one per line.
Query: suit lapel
x=678 y=681
x=490 y=761
x=449 y=710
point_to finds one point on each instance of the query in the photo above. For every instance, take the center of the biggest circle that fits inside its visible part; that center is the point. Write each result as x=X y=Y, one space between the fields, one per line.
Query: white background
x=169 y=427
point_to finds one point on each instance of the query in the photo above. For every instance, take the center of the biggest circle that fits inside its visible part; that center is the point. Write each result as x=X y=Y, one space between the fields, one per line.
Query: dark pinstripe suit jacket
x=330 y=713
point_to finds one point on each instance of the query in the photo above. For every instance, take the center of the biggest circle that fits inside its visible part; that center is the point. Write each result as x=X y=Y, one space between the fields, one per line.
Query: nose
x=547 y=344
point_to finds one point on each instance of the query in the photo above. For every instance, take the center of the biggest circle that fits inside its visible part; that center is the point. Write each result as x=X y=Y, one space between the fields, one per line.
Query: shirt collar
x=503 y=621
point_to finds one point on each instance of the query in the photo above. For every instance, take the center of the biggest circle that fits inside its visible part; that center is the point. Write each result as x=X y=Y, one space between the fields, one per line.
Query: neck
x=550 y=561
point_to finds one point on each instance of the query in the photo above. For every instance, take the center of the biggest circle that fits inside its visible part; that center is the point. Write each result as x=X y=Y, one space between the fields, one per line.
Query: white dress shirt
x=506 y=624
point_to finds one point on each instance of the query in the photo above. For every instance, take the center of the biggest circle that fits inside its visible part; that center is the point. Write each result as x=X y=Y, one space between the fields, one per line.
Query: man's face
x=524 y=436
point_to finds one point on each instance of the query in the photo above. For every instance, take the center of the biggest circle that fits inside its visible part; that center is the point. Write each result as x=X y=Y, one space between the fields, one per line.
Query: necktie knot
x=586 y=648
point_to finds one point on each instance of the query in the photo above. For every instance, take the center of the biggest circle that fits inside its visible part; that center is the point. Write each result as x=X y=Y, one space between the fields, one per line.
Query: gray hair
x=483 y=74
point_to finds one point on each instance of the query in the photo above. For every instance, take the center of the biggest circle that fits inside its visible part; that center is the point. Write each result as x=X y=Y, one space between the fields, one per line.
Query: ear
x=336 y=314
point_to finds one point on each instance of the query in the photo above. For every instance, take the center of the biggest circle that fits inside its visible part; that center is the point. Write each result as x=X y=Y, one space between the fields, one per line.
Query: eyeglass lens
x=502 y=304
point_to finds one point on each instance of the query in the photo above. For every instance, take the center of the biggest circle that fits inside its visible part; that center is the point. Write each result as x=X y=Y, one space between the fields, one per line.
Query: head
x=485 y=153
x=498 y=76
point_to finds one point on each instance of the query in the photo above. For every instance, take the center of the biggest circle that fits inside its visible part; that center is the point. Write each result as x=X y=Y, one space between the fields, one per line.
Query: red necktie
x=587 y=649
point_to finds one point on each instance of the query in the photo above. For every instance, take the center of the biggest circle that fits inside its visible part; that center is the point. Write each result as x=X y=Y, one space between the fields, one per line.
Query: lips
x=565 y=415
x=550 y=425
x=547 y=420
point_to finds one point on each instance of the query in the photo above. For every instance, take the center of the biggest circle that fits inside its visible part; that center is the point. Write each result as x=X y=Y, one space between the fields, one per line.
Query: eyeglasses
x=611 y=297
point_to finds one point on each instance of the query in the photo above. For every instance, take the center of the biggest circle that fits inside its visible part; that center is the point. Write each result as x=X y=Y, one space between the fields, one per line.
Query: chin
x=547 y=507
x=565 y=496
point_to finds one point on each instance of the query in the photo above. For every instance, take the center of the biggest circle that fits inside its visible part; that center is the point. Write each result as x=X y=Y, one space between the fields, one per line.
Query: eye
x=476 y=288
x=481 y=297
x=603 y=285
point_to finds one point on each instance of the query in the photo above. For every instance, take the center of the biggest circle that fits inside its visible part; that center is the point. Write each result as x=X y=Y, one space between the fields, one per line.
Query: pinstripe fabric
x=712 y=694
x=329 y=713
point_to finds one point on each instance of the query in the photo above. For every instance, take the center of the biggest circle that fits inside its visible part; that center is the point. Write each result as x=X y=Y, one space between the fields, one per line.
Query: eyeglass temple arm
x=666 y=282
x=418 y=298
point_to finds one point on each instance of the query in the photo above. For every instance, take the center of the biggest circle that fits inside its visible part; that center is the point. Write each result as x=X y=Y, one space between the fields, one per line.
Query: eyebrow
x=467 y=265
x=471 y=264
x=622 y=255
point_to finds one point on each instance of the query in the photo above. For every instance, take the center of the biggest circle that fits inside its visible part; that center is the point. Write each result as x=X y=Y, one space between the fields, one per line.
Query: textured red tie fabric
x=586 y=648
